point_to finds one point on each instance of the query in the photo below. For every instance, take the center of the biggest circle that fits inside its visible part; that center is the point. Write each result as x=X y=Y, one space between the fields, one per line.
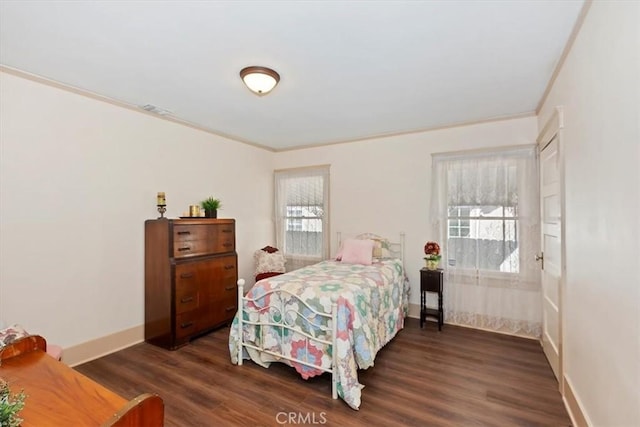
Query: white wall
x=78 y=178
x=383 y=185
x=599 y=87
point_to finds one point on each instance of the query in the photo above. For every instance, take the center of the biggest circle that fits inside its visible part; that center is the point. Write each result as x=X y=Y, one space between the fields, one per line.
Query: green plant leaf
x=211 y=204
x=10 y=406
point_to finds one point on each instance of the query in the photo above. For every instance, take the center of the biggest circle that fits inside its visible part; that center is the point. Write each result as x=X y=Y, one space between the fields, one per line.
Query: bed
x=331 y=317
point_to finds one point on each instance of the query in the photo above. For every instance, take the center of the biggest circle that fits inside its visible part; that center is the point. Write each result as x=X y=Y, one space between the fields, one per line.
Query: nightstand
x=431 y=281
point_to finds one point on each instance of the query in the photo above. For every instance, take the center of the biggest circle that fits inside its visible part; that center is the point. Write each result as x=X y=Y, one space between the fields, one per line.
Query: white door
x=551 y=260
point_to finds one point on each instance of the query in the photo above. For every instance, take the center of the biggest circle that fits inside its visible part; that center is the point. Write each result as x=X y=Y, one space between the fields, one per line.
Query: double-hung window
x=485 y=209
x=483 y=237
x=302 y=214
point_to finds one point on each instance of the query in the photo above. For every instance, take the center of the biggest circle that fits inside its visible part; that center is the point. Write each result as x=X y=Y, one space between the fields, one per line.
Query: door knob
x=539 y=257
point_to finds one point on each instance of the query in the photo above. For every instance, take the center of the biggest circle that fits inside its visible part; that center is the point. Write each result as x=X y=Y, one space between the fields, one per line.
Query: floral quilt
x=372 y=303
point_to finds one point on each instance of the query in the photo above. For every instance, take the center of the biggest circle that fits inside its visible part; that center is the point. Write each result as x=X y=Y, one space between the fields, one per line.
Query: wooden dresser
x=191 y=270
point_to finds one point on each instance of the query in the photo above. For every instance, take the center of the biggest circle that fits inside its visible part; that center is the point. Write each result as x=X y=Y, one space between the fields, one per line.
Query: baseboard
x=414 y=311
x=571 y=402
x=99 y=347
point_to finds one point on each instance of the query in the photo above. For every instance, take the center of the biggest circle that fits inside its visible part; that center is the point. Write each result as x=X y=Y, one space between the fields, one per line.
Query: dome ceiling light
x=260 y=80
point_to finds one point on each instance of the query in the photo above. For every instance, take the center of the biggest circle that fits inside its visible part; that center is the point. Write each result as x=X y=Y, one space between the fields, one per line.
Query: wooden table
x=59 y=396
x=431 y=281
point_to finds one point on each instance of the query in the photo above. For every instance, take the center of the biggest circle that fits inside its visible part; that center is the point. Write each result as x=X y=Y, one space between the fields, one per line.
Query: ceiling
x=349 y=69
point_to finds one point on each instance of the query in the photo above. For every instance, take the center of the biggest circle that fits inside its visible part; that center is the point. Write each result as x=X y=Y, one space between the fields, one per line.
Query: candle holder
x=162 y=209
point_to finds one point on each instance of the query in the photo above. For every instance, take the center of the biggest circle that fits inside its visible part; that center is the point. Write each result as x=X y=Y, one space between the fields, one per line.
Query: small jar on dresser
x=191 y=270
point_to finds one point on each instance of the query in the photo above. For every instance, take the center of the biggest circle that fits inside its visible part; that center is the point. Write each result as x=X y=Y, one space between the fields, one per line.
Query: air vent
x=155 y=110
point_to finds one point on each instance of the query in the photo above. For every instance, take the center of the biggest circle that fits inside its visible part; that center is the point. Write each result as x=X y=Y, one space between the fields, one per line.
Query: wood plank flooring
x=457 y=377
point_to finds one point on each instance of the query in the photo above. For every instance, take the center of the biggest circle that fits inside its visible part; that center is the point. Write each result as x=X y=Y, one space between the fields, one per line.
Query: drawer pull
x=227 y=245
x=185 y=325
x=229 y=288
x=230 y=308
x=183 y=233
x=186 y=275
x=185 y=248
x=229 y=267
x=185 y=300
x=227 y=230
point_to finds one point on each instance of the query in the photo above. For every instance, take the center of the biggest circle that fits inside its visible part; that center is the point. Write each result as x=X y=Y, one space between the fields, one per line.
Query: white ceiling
x=349 y=69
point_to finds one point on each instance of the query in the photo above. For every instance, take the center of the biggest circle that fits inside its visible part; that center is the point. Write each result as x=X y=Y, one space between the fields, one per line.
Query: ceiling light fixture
x=260 y=80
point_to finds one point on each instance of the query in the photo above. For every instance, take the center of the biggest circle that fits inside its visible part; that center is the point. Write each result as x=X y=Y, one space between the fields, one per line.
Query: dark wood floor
x=457 y=377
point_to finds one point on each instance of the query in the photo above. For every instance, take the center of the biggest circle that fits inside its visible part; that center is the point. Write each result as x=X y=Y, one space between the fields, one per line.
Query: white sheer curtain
x=485 y=211
x=302 y=215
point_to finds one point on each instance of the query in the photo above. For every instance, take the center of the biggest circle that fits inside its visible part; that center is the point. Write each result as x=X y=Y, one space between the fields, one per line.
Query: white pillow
x=269 y=263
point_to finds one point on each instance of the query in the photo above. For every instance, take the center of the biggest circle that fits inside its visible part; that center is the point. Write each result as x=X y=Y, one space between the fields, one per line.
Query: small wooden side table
x=431 y=281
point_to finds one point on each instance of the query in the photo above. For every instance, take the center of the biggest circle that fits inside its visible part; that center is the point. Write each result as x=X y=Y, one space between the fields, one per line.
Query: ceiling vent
x=155 y=110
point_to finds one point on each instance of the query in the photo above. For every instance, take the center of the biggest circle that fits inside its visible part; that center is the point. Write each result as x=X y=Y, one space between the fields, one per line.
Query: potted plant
x=10 y=405
x=432 y=252
x=211 y=206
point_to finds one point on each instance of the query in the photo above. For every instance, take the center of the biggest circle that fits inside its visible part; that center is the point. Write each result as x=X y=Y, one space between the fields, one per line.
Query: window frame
x=284 y=216
x=460 y=181
x=502 y=218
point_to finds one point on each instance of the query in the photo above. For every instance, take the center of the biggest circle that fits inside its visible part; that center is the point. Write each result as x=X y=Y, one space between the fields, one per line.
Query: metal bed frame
x=280 y=316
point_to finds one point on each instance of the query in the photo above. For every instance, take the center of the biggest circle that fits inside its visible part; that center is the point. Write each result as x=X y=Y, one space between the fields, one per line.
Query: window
x=294 y=218
x=301 y=203
x=459 y=221
x=477 y=205
x=486 y=215
x=483 y=237
x=305 y=218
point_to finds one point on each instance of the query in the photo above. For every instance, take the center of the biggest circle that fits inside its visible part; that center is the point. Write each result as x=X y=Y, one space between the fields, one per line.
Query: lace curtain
x=485 y=211
x=302 y=215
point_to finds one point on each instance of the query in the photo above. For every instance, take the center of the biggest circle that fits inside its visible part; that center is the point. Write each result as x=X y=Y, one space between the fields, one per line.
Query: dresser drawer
x=225 y=240
x=223 y=278
x=187 y=296
x=189 y=232
x=188 y=248
x=191 y=240
x=228 y=269
x=229 y=290
x=222 y=289
x=187 y=323
x=225 y=309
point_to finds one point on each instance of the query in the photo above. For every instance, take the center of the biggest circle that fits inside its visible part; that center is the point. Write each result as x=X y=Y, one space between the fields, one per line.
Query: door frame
x=554 y=128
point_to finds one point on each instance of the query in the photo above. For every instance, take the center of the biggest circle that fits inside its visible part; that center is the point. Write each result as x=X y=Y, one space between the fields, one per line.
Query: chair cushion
x=12 y=333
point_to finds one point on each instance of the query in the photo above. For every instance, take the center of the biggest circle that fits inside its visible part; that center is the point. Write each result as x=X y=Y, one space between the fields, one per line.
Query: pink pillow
x=355 y=251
